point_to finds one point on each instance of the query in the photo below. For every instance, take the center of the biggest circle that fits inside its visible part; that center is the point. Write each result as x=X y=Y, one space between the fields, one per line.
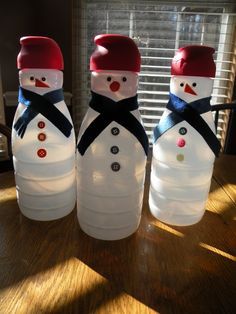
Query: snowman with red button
x=185 y=144
x=112 y=144
x=43 y=139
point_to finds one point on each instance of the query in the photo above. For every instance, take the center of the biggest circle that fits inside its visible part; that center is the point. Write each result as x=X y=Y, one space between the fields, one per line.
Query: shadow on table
x=171 y=272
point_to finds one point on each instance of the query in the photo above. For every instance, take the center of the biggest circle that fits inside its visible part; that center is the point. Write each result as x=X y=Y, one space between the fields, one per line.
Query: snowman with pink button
x=185 y=144
x=112 y=144
x=43 y=139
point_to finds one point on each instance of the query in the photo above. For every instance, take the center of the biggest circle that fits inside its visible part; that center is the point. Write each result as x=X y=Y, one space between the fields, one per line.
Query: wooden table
x=53 y=267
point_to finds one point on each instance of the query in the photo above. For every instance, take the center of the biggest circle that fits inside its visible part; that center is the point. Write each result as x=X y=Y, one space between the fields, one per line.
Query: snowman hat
x=39 y=52
x=194 y=61
x=115 y=52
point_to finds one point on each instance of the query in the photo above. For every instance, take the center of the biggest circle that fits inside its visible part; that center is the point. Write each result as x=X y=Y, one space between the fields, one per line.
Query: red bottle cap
x=194 y=61
x=115 y=52
x=39 y=52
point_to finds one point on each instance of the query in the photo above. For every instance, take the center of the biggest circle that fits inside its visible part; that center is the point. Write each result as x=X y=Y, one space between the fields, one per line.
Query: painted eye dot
x=181 y=84
x=43 y=79
x=194 y=84
x=109 y=79
x=124 y=79
x=32 y=78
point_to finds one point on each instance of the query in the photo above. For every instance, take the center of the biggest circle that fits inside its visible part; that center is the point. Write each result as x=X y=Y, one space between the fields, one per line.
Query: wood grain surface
x=53 y=267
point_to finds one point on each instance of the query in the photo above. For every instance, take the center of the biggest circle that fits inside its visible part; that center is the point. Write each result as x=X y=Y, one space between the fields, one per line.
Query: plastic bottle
x=111 y=167
x=182 y=162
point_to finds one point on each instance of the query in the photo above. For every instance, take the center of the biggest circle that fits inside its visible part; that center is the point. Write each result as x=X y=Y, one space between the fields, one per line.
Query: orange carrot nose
x=39 y=83
x=189 y=90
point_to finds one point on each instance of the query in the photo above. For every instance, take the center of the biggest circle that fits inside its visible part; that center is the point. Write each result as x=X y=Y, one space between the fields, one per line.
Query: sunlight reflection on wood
x=97 y=295
x=168 y=229
x=217 y=251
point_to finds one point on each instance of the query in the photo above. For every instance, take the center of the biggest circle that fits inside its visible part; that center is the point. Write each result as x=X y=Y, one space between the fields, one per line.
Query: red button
x=181 y=142
x=41 y=137
x=41 y=124
x=42 y=153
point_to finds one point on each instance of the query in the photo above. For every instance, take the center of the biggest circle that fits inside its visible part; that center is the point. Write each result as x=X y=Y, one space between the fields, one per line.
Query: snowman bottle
x=185 y=144
x=43 y=139
x=112 y=144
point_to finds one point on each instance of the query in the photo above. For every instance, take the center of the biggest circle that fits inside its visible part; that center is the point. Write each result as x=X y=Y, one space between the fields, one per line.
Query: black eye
x=44 y=79
x=194 y=84
x=109 y=79
x=32 y=78
x=124 y=79
x=181 y=84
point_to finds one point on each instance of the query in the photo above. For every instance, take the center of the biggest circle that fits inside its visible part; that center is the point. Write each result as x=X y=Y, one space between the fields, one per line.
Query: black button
x=182 y=131
x=115 y=131
x=114 y=150
x=115 y=166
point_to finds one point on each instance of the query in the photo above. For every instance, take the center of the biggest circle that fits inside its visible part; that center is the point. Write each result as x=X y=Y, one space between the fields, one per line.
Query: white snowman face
x=116 y=85
x=191 y=88
x=41 y=81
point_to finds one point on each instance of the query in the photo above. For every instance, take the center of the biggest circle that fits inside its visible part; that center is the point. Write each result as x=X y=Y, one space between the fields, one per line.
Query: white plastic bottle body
x=109 y=202
x=181 y=176
x=44 y=163
x=111 y=173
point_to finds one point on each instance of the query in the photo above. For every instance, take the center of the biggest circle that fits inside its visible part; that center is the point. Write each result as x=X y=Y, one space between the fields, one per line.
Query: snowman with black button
x=185 y=144
x=43 y=139
x=112 y=144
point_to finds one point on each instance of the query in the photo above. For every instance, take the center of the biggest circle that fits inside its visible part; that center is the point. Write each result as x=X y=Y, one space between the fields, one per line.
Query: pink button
x=181 y=142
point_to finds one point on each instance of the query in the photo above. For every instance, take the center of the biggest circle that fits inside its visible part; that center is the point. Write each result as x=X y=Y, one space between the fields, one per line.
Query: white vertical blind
x=159 y=30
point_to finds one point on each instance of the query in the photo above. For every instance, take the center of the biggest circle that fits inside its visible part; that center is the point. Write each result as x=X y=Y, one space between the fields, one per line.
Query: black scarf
x=43 y=104
x=112 y=111
x=191 y=113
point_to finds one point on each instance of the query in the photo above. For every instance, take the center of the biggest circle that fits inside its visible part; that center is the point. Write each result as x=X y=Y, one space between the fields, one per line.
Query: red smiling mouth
x=39 y=83
x=115 y=86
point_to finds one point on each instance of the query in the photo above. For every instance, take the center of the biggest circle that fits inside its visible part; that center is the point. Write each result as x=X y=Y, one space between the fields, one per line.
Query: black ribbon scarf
x=43 y=104
x=191 y=113
x=113 y=111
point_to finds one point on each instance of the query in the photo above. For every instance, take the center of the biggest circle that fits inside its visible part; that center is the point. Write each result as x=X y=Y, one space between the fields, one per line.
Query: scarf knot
x=191 y=113
x=110 y=110
x=43 y=104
